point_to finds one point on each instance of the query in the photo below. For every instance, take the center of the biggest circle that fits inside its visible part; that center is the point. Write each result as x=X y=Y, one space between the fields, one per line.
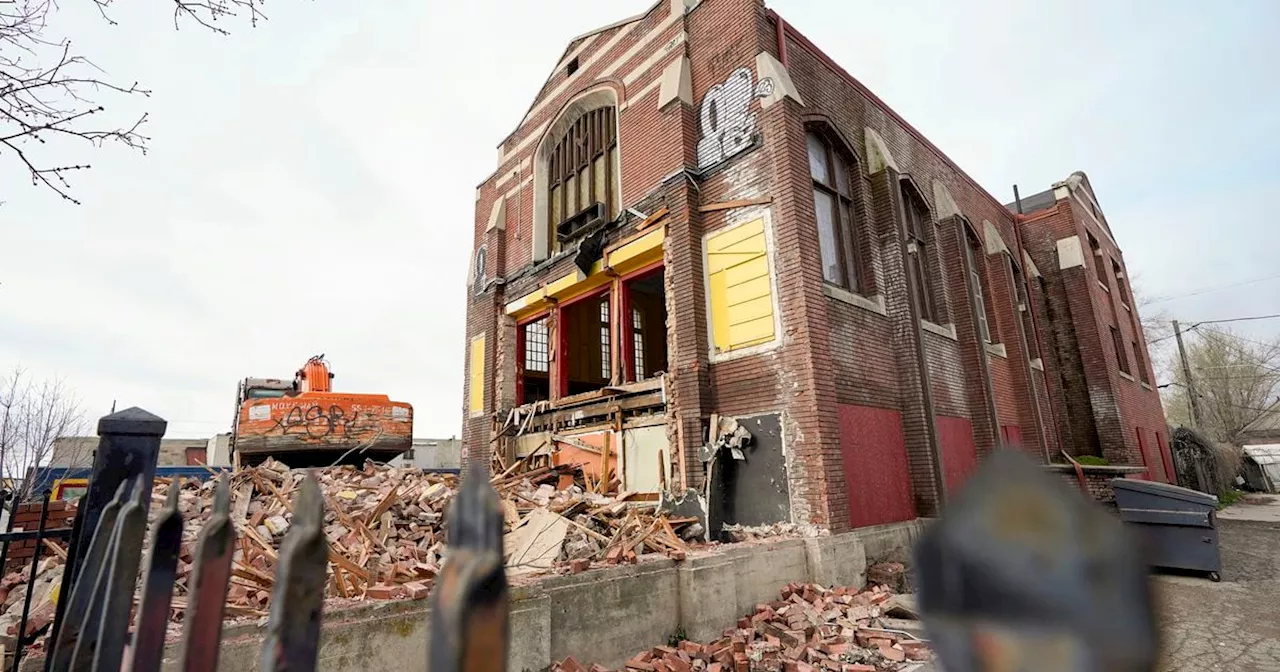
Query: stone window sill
x=997 y=349
x=1126 y=376
x=1147 y=385
x=873 y=303
x=947 y=331
x=1037 y=364
x=1104 y=287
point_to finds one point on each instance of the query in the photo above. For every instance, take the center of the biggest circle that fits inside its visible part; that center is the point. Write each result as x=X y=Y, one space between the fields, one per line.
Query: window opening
x=586 y=345
x=1117 y=342
x=1097 y=260
x=917 y=225
x=834 y=211
x=535 y=379
x=582 y=171
x=647 y=299
x=977 y=285
x=1122 y=289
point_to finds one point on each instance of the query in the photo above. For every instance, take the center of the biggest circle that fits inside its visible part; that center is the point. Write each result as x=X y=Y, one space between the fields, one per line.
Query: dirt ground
x=1230 y=625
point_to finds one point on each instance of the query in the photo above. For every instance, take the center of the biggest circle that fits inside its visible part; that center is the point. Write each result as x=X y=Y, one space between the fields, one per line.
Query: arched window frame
x=551 y=156
x=922 y=263
x=836 y=174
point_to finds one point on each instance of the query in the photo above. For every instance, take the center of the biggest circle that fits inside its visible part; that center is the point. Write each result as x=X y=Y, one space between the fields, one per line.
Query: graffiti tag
x=317 y=422
x=725 y=117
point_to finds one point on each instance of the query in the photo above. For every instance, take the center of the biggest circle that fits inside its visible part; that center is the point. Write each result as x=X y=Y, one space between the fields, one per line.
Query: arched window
x=976 y=261
x=833 y=175
x=918 y=224
x=577 y=167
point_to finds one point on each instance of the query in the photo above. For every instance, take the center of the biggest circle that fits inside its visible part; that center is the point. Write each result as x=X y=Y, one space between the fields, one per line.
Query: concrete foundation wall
x=602 y=615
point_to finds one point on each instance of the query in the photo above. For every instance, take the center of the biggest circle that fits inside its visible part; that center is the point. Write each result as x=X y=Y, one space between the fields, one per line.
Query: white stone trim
x=878 y=156
x=768 y=67
x=1126 y=376
x=874 y=303
x=945 y=331
x=1038 y=364
x=676 y=82
x=992 y=239
x=945 y=204
x=996 y=349
x=1070 y=253
x=498 y=216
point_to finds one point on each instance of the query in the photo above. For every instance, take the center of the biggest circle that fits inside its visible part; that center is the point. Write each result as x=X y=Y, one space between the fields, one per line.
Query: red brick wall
x=1105 y=410
x=61 y=515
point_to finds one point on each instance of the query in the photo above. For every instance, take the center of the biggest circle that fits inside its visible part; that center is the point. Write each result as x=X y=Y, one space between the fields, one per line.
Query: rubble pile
x=385 y=527
x=808 y=629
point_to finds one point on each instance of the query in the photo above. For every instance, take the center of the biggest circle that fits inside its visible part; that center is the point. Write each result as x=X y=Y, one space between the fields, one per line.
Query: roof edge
x=862 y=88
x=589 y=33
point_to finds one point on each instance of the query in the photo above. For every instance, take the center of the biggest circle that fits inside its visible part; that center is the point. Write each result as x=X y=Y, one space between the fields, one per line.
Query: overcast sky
x=310 y=185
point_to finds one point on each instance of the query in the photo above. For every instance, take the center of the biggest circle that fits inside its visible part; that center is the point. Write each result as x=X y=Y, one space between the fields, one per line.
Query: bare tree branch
x=35 y=417
x=50 y=92
x=1237 y=381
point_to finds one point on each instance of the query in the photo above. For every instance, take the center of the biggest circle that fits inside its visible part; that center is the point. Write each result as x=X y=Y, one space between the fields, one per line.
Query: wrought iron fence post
x=128 y=447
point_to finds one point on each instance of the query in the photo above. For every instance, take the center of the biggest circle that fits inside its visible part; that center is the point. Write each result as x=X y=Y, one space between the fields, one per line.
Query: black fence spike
x=131 y=527
x=207 y=592
x=469 y=609
x=35 y=565
x=79 y=616
x=293 y=628
x=157 y=586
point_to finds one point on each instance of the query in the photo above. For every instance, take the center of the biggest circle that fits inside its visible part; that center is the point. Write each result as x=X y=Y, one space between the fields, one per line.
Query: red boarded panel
x=1151 y=458
x=1011 y=436
x=959 y=453
x=1167 y=458
x=875 y=466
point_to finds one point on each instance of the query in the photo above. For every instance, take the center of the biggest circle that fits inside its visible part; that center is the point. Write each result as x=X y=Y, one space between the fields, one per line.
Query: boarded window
x=1117 y=342
x=738 y=276
x=1122 y=289
x=475 y=384
x=1140 y=362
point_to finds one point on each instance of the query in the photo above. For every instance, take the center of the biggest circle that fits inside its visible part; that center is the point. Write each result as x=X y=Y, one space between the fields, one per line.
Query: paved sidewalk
x=1232 y=625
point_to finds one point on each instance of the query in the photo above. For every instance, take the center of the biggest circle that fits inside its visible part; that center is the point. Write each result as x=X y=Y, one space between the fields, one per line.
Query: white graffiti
x=728 y=124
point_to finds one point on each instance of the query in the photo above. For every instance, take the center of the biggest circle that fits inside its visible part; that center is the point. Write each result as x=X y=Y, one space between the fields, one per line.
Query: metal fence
x=97 y=627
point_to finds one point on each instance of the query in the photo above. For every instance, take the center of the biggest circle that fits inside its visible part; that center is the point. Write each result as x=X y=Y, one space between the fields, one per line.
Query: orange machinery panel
x=370 y=425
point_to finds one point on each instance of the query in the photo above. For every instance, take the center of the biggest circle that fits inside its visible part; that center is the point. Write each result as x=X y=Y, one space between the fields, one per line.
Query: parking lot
x=1230 y=625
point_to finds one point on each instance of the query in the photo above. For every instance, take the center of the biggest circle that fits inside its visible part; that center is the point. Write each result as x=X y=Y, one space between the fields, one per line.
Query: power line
x=1197 y=325
x=1214 y=288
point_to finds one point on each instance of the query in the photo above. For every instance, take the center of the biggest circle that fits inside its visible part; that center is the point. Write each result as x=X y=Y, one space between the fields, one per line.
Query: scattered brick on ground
x=808 y=629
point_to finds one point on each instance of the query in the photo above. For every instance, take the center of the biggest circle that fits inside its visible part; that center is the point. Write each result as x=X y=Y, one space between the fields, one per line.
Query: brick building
x=705 y=229
x=1107 y=403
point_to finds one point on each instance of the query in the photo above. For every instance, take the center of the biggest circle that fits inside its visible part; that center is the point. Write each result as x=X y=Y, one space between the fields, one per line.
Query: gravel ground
x=1230 y=625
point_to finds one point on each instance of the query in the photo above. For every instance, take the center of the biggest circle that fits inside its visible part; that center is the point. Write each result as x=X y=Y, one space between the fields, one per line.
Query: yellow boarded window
x=741 y=293
x=475 y=386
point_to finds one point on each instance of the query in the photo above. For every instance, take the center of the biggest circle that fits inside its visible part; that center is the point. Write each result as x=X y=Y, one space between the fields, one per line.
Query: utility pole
x=1192 y=397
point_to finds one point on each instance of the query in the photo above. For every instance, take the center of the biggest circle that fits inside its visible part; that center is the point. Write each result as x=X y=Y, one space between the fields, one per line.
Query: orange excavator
x=304 y=423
